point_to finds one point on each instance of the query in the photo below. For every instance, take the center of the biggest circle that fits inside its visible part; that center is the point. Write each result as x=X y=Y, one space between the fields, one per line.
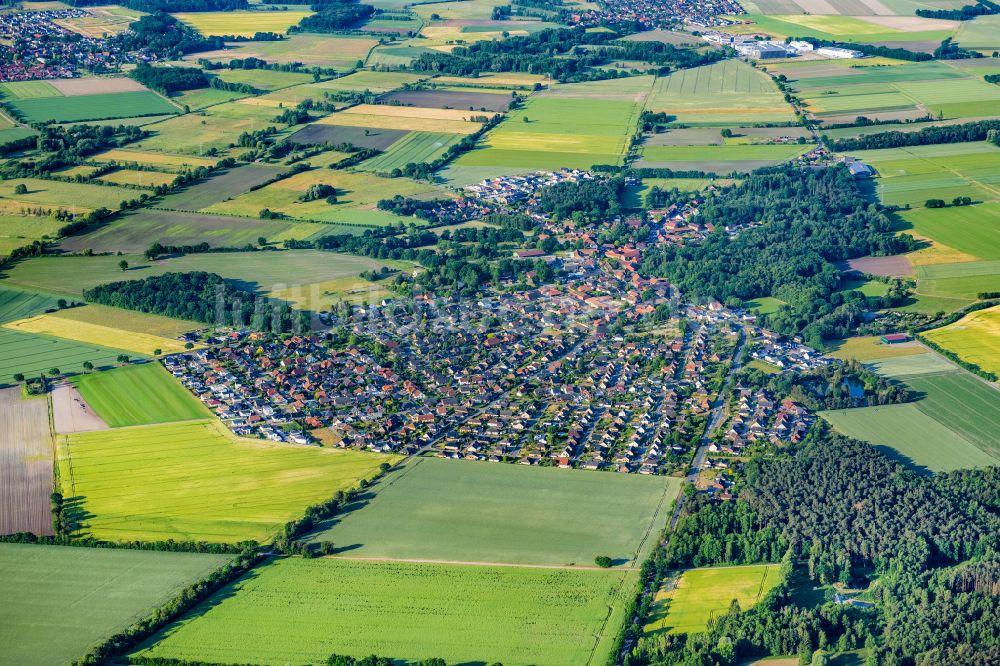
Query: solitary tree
x=88 y=366
x=157 y=351
x=123 y=265
x=53 y=371
x=122 y=358
x=603 y=561
x=21 y=188
x=18 y=377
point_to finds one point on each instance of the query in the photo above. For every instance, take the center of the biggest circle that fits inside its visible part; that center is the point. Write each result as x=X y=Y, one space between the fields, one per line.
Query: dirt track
x=71 y=413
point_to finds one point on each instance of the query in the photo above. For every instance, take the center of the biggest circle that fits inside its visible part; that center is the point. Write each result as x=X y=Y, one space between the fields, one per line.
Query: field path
x=478 y=564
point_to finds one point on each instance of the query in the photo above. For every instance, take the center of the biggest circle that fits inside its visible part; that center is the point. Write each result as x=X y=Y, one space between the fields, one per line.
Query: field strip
x=655 y=519
x=160 y=425
x=407 y=560
x=942 y=165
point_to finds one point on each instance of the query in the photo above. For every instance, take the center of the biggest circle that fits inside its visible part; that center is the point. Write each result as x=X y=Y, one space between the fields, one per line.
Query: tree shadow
x=75 y=513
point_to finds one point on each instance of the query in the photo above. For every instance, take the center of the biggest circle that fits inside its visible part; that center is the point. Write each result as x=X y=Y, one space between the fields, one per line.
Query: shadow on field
x=904 y=459
x=359 y=502
x=74 y=513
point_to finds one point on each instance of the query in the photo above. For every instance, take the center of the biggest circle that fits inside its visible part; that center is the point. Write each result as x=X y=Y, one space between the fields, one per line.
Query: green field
x=339 y=51
x=720 y=159
x=416 y=147
x=580 y=125
x=33 y=355
x=724 y=94
x=974 y=230
x=689 y=600
x=243 y=24
x=28 y=90
x=17 y=304
x=843 y=28
x=263 y=79
x=267 y=271
x=74 y=197
x=139 y=395
x=456 y=510
x=951 y=426
x=61 y=601
x=195 y=481
x=91 y=107
x=910 y=176
x=302 y=611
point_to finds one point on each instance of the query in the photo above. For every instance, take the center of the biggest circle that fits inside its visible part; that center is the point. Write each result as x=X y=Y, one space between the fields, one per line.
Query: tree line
x=974 y=131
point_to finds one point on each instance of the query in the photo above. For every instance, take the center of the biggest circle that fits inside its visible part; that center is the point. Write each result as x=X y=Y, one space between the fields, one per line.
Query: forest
x=199 y=296
x=964 y=13
x=332 y=16
x=829 y=511
x=798 y=224
x=169 y=79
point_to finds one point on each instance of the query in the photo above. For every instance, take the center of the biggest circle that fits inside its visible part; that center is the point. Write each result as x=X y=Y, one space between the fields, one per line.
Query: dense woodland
x=333 y=16
x=169 y=79
x=162 y=34
x=964 y=13
x=831 y=512
x=806 y=220
x=544 y=53
x=198 y=296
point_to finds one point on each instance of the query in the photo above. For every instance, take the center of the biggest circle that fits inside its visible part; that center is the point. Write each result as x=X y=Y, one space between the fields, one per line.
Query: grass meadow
x=951 y=426
x=463 y=614
x=60 y=601
x=196 y=481
x=692 y=597
x=98 y=334
x=139 y=395
x=720 y=159
x=455 y=510
x=74 y=197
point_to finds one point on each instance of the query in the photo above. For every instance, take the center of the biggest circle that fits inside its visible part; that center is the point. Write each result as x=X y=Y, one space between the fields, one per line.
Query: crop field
x=139 y=395
x=241 y=24
x=267 y=271
x=196 y=481
x=145 y=178
x=338 y=51
x=951 y=426
x=161 y=161
x=913 y=175
x=98 y=334
x=61 y=601
x=215 y=127
x=448 y=99
x=33 y=355
x=128 y=320
x=950 y=286
x=981 y=33
x=74 y=197
x=202 y=97
x=370 y=80
x=25 y=466
x=871 y=348
x=18 y=304
x=91 y=107
x=262 y=79
x=581 y=126
x=357 y=198
x=138 y=230
x=975 y=338
x=972 y=230
x=224 y=185
x=28 y=90
x=547 y=617
x=447 y=510
x=860 y=29
x=720 y=159
x=415 y=147
x=18 y=231
x=723 y=94
x=99 y=85
x=362 y=137
x=692 y=597
x=408 y=118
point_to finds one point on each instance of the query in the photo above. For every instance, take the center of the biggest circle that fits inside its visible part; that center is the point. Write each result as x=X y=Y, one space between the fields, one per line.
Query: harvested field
x=129 y=320
x=446 y=99
x=71 y=413
x=96 y=85
x=894 y=266
x=226 y=185
x=87 y=333
x=333 y=135
x=25 y=466
x=665 y=36
x=241 y=23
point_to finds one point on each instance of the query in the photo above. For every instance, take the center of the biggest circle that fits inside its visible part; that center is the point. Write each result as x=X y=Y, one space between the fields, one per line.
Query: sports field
x=727 y=93
x=61 y=601
x=196 y=481
x=98 y=334
x=91 y=107
x=449 y=510
x=33 y=355
x=975 y=338
x=463 y=614
x=241 y=24
x=139 y=395
x=692 y=597
x=951 y=426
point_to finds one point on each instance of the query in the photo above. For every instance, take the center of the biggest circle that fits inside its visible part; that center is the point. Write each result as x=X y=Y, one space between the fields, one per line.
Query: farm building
x=834 y=52
x=895 y=338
